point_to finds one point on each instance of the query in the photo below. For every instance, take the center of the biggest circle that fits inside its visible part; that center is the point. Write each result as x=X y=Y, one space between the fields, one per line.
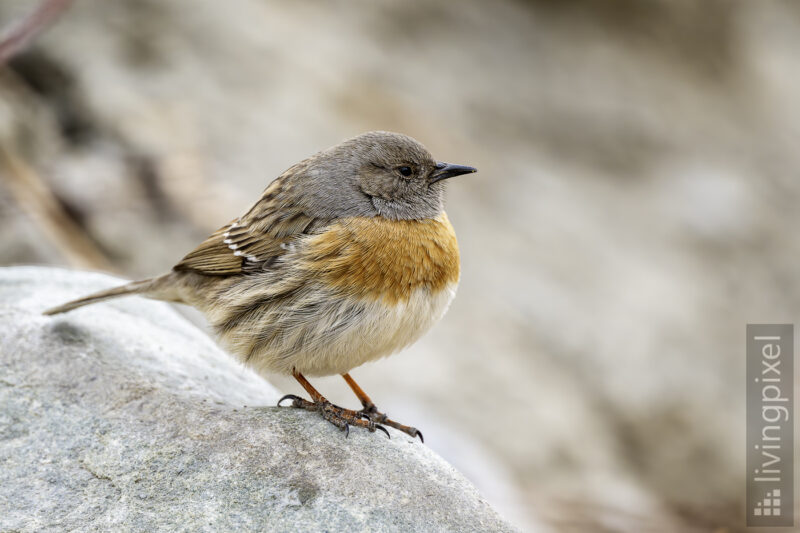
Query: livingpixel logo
x=770 y=425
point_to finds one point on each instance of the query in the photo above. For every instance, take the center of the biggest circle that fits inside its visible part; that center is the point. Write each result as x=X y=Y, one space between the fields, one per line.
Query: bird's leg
x=372 y=413
x=338 y=416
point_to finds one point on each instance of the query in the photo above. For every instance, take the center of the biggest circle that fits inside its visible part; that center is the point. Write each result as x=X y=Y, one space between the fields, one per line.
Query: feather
x=255 y=241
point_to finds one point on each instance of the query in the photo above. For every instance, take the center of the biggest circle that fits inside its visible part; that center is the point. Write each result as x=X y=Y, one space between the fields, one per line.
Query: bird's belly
x=361 y=290
x=348 y=332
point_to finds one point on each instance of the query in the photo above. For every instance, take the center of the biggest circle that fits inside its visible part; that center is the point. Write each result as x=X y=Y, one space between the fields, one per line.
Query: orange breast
x=386 y=259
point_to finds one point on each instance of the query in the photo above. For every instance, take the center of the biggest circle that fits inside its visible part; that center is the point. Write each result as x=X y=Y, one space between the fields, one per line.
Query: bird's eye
x=405 y=171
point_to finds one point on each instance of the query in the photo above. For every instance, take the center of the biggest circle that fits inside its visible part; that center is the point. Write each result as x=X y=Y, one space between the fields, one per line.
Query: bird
x=347 y=257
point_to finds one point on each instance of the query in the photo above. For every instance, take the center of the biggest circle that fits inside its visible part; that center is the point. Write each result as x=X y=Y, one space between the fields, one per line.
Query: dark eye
x=405 y=171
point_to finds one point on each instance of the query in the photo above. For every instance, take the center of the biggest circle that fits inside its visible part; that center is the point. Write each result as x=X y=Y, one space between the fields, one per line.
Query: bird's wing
x=256 y=240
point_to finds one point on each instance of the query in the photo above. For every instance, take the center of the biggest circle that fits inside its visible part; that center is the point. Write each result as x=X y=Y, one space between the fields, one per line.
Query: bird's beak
x=446 y=170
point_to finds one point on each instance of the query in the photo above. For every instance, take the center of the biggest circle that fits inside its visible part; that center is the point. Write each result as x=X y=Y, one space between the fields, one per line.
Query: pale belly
x=340 y=335
x=363 y=289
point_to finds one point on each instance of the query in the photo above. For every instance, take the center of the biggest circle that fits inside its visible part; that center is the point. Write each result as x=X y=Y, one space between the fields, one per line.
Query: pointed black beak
x=446 y=170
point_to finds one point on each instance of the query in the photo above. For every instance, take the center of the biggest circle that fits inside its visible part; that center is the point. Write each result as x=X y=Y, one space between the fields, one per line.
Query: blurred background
x=636 y=205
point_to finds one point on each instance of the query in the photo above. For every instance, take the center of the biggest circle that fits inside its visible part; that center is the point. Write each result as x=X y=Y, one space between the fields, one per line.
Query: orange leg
x=359 y=392
x=338 y=416
x=372 y=413
x=315 y=395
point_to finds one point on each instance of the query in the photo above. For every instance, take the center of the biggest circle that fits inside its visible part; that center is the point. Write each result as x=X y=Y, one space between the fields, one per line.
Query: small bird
x=347 y=257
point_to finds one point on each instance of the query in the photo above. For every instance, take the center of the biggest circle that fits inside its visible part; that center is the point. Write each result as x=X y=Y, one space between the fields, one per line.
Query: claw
x=289 y=397
x=419 y=434
x=340 y=417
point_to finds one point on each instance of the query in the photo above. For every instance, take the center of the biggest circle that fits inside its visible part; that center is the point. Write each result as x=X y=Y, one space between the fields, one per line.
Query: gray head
x=374 y=174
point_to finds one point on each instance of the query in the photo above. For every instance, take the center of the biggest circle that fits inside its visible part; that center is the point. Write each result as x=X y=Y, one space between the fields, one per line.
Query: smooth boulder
x=124 y=416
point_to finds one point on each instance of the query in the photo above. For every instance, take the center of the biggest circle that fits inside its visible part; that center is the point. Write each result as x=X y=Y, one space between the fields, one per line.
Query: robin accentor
x=347 y=257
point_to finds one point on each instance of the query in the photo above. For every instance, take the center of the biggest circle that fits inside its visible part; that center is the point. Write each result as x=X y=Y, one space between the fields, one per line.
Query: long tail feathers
x=135 y=287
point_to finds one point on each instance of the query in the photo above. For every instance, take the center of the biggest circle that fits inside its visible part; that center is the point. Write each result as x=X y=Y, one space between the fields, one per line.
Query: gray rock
x=123 y=416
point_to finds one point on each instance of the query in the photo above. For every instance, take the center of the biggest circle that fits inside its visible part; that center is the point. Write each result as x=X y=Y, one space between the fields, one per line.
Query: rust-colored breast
x=386 y=259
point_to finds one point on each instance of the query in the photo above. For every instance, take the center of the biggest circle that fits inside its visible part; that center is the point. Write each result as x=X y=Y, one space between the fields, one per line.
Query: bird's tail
x=135 y=287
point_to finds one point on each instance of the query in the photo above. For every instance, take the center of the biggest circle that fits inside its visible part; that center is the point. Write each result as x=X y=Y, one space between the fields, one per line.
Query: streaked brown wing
x=255 y=241
x=212 y=257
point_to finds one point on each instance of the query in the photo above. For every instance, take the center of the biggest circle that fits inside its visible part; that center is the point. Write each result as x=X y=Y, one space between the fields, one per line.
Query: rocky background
x=636 y=206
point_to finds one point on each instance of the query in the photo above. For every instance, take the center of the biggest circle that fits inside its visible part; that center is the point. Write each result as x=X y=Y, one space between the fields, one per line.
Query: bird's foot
x=338 y=416
x=371 y=413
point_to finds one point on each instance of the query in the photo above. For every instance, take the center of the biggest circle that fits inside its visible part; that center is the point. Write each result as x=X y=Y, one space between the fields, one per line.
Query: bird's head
x=384 y=174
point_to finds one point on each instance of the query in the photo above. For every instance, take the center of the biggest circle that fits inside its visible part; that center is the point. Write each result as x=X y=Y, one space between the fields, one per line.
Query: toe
x=288 y=397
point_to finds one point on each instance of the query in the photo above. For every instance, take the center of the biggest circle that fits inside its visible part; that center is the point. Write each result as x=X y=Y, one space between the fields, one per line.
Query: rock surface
x=125 y=416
